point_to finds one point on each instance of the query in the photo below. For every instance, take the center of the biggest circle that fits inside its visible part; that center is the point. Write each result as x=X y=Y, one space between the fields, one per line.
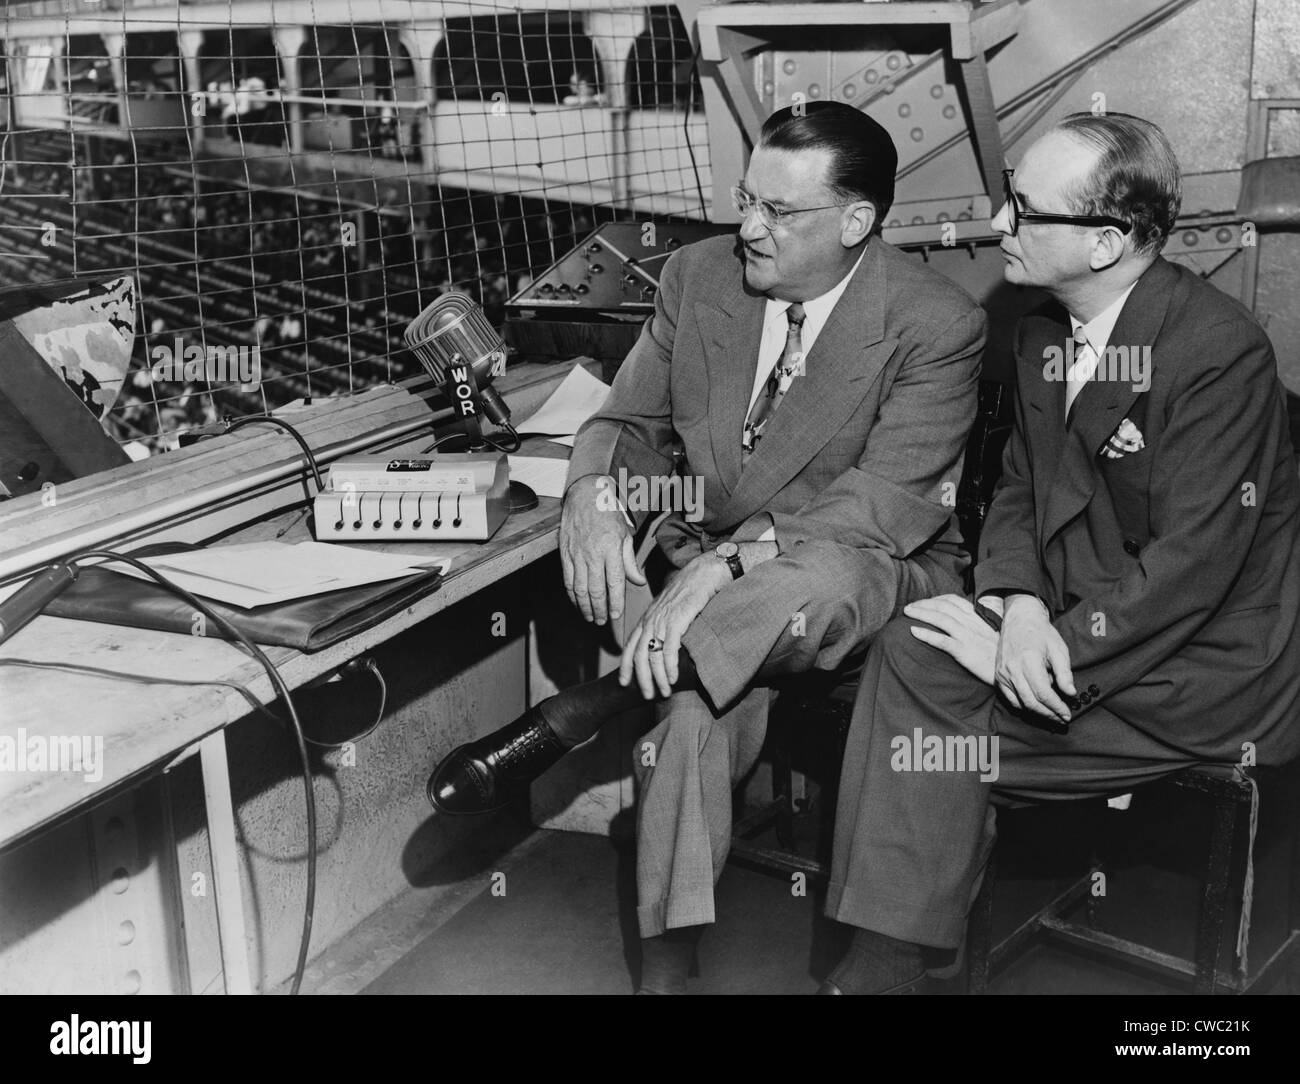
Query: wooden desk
x=148 y=728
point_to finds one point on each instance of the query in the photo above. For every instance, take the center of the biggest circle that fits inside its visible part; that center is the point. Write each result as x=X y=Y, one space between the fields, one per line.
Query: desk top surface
x=146 y=725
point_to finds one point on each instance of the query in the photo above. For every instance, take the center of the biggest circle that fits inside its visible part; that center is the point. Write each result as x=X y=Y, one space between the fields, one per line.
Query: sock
x=577 y=713
x=666 y=960
x=875 y=962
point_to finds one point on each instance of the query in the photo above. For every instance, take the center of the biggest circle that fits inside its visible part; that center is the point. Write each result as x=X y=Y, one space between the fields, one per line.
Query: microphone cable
x=514 y=444
x=61 y=575
x=271 y=419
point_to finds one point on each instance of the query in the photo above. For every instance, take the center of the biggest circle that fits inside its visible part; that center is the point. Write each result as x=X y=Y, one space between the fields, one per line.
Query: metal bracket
x=730 y=33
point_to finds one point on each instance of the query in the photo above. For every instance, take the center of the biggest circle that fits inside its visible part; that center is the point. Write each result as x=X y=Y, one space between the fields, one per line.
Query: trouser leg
x=795 y=614
x=685 y=767
x=808 y=609
x=911 y=845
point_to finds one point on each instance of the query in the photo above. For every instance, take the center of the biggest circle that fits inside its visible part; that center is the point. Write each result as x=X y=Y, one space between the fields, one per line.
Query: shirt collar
x=817 y=309
x=1098 y=330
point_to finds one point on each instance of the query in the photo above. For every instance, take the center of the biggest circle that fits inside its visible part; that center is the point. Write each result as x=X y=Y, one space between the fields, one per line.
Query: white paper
x=568 y=442
x=252 y=574
x=545 y=476
x=577 y=398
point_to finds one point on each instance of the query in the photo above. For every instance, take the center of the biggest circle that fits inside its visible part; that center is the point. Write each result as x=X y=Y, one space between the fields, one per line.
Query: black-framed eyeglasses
x=1015 y=215
x=769 y=214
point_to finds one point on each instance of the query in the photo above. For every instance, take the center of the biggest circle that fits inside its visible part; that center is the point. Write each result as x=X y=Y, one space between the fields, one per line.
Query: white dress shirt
x=1086 y=359
x=775 y=326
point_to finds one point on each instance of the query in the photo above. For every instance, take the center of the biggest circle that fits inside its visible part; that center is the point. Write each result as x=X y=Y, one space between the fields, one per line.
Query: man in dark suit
x=818 y=387
x=1139 y=554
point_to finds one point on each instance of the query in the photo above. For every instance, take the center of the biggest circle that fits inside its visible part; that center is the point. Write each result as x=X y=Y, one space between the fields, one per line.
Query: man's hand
x=596 y=549
x=1031 y=655
x=965 y=635
x=669 y=616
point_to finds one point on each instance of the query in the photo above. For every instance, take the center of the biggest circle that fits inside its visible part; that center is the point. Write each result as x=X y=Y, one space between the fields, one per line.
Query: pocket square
x=1126 y=440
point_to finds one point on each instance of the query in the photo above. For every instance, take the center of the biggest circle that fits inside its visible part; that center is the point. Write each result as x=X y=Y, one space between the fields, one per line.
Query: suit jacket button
x=1094 y=690
x=1131 y=547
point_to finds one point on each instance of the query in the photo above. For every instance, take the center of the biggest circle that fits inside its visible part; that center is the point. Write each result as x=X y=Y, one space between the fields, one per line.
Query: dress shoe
x=918 y=985
x=490 y=773
x=668 y=960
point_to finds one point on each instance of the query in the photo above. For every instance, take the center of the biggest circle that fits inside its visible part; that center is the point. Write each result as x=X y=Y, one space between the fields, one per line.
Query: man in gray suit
x=817 y=387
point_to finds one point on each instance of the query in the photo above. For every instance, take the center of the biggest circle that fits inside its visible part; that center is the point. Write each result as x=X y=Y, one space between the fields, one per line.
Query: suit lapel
x=1040 y=333
x=848 y=355
x=1102 y=404
x=730 y=331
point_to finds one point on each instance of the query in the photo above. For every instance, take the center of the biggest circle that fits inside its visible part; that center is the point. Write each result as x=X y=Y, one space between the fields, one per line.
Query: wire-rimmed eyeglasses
x=770 y=215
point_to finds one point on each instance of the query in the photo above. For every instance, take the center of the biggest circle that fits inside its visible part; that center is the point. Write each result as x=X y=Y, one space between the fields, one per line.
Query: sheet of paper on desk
x=577 y=398
x=545 y=476
x=252 y=574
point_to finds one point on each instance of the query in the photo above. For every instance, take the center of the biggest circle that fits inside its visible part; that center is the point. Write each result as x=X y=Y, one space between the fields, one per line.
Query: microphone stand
x=469 y=403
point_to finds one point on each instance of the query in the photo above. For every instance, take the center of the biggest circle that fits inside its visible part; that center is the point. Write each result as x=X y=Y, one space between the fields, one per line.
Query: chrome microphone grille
x=451 y=329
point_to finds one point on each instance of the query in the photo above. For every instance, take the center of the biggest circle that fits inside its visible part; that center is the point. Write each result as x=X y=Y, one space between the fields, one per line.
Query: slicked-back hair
x=1136 y=177
x=863 y=157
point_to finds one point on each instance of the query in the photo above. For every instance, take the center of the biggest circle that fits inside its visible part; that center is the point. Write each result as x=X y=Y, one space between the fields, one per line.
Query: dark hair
x=863 y=157
x=1136 y=177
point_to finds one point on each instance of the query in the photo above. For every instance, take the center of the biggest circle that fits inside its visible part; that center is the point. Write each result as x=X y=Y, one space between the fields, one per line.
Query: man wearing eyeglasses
x=1137 y=587
x=819 y=386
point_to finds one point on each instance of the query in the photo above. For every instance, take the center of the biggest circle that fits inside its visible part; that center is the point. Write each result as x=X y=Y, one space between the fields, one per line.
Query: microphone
x=462 y=351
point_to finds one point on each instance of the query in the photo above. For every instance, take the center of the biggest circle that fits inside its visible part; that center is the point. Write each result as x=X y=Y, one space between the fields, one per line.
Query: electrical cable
x=686 y=128
x=239 y=423
x=441 y=440
x=141 y=679
x=243 y=690
x=282 y=688
x=516 y=441
x=370 y=665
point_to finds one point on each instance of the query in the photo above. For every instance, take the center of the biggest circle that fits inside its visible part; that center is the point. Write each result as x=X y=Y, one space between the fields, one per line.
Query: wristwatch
x=730 y=552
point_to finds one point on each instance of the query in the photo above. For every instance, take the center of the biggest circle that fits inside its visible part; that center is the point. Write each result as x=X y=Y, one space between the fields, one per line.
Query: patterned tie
x=1080 y=372
x=778 y=382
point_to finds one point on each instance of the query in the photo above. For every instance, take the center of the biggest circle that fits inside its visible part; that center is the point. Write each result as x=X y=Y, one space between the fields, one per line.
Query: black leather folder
x=307 y=624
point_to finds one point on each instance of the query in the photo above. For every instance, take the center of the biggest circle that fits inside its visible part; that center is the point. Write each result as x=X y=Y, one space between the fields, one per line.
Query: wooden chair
x=1237 y=798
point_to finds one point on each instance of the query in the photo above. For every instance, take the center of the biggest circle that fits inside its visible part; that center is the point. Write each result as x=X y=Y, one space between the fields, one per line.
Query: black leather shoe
x=490 y=773
x=918 y=985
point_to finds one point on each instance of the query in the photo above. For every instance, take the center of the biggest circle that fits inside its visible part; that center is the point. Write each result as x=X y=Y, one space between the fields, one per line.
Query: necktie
x=1080 y=372
x=778 y=382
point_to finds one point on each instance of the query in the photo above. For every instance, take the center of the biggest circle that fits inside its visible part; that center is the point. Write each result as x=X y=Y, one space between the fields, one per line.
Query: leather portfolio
x=308 y=624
